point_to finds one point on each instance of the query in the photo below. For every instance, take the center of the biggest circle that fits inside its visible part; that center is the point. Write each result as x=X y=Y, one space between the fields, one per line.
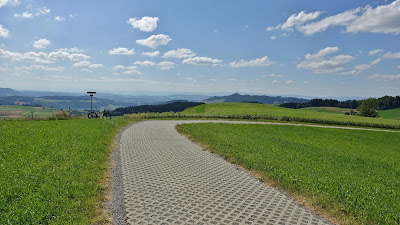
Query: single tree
x=369 y=107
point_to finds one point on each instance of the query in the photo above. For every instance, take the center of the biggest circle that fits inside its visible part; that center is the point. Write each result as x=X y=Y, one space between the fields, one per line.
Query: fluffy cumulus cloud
x=128 y=70
x=381 y=19
x=41 y=44
x=87 y=64
x=165 y=65
x=4 y=32
x=42 y=57
x=32 y=57
x=154 y=40
x=179 y=53
x=378 y=77
x=151 y=54
x=264 y=61
x=272 y=75
x=202 y=61
x=320 y=62
x=9 y=2
x=146 y=23
x=121 y=51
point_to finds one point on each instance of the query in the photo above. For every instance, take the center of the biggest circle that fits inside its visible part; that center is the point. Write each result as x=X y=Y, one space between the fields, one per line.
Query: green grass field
x=343 y=172
x=262 y=111
x=335 y=110
x=20 y=112
x=393 y=114
x=51 y=170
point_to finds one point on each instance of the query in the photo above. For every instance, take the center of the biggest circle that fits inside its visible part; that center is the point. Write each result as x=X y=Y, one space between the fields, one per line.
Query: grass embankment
x=51 y=171
x=269 y=112
x=345 y=173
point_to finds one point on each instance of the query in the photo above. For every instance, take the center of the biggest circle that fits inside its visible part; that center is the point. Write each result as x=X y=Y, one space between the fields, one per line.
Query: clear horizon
x=307 y=48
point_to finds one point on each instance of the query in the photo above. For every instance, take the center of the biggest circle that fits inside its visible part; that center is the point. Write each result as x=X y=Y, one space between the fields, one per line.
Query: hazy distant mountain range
x=276 y=100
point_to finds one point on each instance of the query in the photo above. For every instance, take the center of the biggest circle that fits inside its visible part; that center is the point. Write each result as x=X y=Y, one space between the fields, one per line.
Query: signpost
x=92 y=114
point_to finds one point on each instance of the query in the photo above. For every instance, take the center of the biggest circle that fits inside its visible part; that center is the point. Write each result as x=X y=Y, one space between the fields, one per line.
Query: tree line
x=385 y=102
x=168 y=107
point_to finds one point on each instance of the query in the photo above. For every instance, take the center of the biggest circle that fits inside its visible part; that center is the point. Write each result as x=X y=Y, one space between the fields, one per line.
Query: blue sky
x=313 y=48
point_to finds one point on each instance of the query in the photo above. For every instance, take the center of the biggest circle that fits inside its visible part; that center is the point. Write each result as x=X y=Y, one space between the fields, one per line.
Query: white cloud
x=154 y=40
x=129 y=72
x=41 y=44
x=301 y=18
x=165 y=65
x=201 y=61
x=376 y=51
x=86 y=70
x=29 y=15
x=33 y=57
x=272 y=75
x=64 y=55
x=343 y=19
x=145 y=63
x=378 y=77
x=306 y=81
x=146 y=24
x=59 y=18
x=119 y=67
x=275 y=81
x=179 y=53
x=121 y=51
x=322 y=52
x=151 y=54
x=358 y=69
x=264 y=61
x=42 y=11
x=2 y=69
x=382 y=19
x=391 y=55
x=273 y=37
x=87 y=64
x=4 y=32
x=26 y=15
x=319 y=63
x=289 y=82
x=41 y=67
x=9 y=2
x=71 y=50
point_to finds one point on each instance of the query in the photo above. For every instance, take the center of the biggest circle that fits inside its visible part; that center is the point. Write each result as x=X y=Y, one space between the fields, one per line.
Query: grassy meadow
x=8 y=112
x=269 y=112
x=346 y=173
x=393 y=114
x=51 y=171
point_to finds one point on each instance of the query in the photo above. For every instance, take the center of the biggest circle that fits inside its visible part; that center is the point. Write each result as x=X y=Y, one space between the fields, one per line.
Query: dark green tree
x=369 y=107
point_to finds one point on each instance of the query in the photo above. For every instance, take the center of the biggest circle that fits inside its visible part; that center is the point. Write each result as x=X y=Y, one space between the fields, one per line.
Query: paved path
x=167 y=179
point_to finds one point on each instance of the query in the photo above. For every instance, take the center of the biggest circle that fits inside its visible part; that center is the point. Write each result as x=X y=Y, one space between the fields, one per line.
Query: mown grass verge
x=349 y=174
x=53 y=172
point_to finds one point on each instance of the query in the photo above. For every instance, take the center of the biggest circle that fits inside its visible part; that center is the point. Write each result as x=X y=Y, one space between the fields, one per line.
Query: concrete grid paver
x=167 y=179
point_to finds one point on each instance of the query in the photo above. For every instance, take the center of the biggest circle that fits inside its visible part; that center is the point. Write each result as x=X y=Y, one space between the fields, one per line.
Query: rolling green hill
x=393 y=114
x=262 y=111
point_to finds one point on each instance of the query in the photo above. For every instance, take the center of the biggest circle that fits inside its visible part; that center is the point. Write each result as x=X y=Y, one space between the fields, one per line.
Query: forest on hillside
x=385 y=102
